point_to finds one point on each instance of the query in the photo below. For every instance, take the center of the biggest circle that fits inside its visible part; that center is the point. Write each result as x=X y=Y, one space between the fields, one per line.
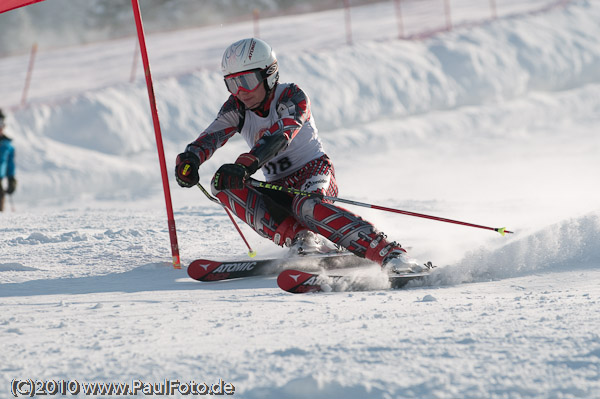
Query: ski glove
x=232 y=176
x=12 y=185
x=186 y=169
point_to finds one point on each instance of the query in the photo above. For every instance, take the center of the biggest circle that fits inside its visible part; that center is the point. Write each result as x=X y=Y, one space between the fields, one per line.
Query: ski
x=211 y=270
x=298 y=282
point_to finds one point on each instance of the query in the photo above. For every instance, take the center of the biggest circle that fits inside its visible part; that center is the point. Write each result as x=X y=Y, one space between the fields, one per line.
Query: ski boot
x=307 y=242
x=398 y=262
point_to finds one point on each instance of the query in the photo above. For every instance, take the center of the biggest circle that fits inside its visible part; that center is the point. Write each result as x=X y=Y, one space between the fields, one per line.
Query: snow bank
x=565 y=246
x=99 y=142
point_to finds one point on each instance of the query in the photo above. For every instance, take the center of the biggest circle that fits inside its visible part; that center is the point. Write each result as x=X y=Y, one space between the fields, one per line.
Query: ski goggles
x=244 y=81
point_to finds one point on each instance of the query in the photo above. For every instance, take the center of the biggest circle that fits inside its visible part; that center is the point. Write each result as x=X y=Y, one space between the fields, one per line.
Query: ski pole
x=260 y=184
x=251 y=252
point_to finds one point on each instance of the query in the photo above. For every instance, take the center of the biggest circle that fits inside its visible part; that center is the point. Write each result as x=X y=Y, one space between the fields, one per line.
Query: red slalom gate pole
x=159 y=144
x=256 y=183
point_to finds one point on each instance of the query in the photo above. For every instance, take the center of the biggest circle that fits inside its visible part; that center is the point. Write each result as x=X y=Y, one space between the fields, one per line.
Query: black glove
x=12 y=185
x=232 y=176
x=186 y=169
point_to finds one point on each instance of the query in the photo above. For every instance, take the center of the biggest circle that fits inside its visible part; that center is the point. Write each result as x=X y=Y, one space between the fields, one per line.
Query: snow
x=494 y=124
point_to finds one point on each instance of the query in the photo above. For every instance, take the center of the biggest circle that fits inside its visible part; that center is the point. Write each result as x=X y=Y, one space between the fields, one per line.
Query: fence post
x=256 y=23
x=399 y=19
x=348 y=22
x=448 y=18
x=29 y=73
x=493 y=9
x=134 y=62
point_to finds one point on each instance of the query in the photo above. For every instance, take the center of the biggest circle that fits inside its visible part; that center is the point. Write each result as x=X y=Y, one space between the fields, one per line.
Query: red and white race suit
x=289 y=150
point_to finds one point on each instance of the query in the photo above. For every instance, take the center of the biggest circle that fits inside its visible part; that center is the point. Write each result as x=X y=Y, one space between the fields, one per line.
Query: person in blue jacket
x=7 y=163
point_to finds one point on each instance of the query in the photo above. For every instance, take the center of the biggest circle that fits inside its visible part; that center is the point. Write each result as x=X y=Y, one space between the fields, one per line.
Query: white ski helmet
x=249 y=55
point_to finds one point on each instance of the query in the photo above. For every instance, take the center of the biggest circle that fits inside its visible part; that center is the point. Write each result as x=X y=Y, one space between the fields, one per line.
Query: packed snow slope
x=494 y=124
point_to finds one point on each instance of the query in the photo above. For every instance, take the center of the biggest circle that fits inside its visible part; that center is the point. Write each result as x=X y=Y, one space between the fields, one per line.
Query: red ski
x=210 y=270
x=299 y=282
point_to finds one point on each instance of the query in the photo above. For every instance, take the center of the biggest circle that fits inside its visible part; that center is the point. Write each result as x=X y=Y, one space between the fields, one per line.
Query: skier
x=276 y=121
x=7 y=162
